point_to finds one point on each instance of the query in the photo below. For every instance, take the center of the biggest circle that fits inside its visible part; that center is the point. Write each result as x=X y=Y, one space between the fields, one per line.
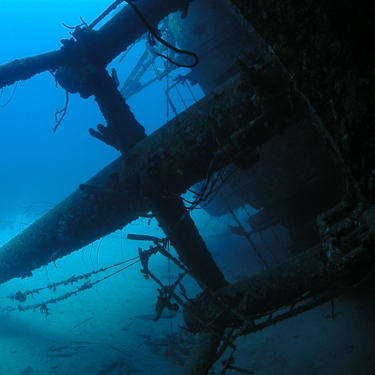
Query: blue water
x=38 y=169
x=110 y=324
x=36 y=163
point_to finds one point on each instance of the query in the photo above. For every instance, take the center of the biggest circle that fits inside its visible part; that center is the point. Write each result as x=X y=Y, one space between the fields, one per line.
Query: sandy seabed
x=88 y=333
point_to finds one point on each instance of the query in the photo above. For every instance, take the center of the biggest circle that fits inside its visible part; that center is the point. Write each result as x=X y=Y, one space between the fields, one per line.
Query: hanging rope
x=22 y=296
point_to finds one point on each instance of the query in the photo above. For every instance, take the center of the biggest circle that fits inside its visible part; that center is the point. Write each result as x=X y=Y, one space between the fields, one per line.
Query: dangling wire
x=163 y=42
x=1 y=94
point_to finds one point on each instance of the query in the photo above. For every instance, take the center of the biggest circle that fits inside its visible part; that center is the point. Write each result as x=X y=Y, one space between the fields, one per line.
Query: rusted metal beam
x=174 y=157
x=114 y=37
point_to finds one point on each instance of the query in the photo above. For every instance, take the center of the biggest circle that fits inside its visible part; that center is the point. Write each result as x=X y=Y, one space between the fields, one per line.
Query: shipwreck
x=287 y=124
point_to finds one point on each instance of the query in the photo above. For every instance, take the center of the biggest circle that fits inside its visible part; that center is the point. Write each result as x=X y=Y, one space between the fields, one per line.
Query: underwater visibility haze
x=223 y=238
